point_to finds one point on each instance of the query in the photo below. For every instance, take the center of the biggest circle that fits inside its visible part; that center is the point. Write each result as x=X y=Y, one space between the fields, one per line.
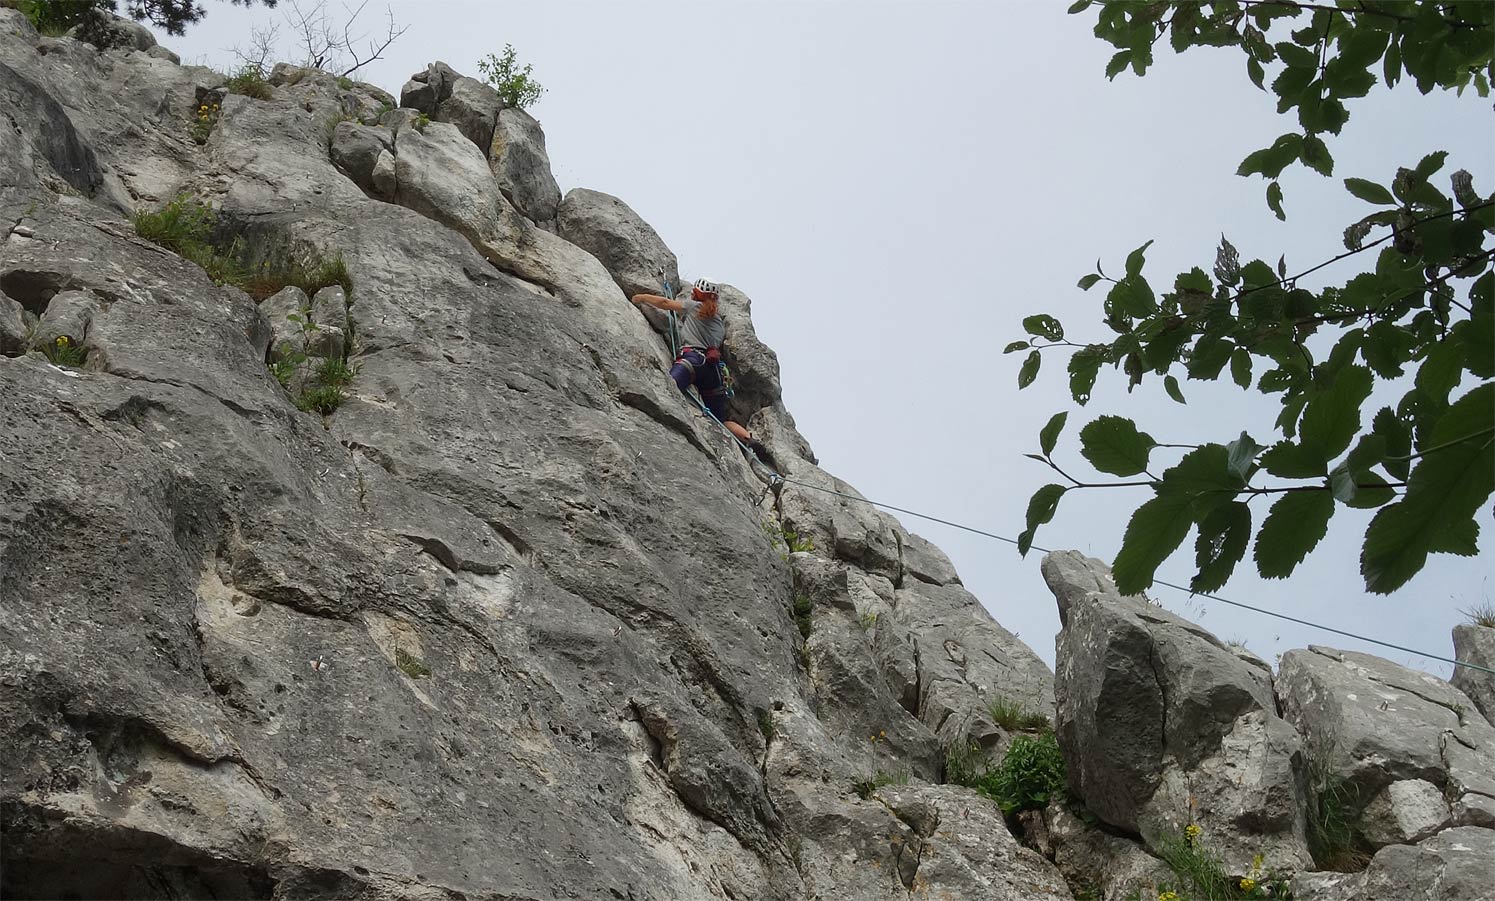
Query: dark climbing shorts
x=691 y=368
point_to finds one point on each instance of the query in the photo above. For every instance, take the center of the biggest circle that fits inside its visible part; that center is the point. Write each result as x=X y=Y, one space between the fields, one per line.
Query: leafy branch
x=1420 y=319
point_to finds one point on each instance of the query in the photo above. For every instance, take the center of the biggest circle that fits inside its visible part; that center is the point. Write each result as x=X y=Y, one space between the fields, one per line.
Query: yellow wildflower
x=1247 y=884
x=1169 y=896
x=1191 y=833
x=62 y=340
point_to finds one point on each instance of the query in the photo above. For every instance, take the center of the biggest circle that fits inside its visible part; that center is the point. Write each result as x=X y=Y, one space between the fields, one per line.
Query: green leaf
x=1398 y=441
x=1445 y=489
x=1154 y=532
x=1297 y=57
x=1441 y=370
x=1029 y=372
x=1460 y=538
x=1043 y=504
x=1293 y=528
x=1272 y=160
x=1044 y=326
x=1274 y=200
x=1240 y=367
x=1118 y=64
x=1431 y=164
x=1223 y=536
x=1195 y=280
x=1088 y=282
x=1392 y=64
x=1050 y=432
x=1015 y=346
x=1286 y=460
x=1242 y=457
x=1113 y=445
x=1369 y=491
x=1255 y=72
x=1041 y=508
x=1227 y=263
x=1290 y=85
x=1387 y=347
x=1083 y=367
x=1316 y=155
x=1136 y=259
x=1332 y=417
x=1203 y=475
x=1170 y=384
x=1369 y=191
x=1079 y=6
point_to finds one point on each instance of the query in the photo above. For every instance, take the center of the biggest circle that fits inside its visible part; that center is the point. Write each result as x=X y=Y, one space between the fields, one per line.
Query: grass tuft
x=411 y=665
x=899 y=776
x=801 y=609
x=250 y=81
x=1014 y=716
x=64 y=351
x=1481 y=614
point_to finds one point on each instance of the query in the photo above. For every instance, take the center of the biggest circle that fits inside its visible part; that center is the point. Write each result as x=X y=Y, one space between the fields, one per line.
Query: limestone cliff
x=364 y=549
x=513 y=621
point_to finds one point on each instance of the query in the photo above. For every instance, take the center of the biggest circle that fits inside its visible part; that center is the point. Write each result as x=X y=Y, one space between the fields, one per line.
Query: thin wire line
x=778 y=477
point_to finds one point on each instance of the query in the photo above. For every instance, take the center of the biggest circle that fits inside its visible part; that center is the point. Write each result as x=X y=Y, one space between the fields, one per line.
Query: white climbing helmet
x=704 y=286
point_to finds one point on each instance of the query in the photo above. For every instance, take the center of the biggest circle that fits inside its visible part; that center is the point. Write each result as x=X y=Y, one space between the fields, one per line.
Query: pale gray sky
x=896 y=184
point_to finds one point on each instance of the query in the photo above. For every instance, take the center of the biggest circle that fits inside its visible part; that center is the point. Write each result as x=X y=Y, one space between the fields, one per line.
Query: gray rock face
x=522 y=167
x=1117 y=869
x=1154 y=712
x=1454 y=865
x=608 y=229
x=52 y=149
x=356 y=150
x=445 y=96
x=1475 y=644
x=1404 y=813
x=503 y=624
x=1383 y=729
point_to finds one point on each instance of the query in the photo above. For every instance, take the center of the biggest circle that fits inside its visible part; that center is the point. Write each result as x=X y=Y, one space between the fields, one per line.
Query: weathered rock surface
x=521 y=165
x=626 y=245
x=475 y=633
x=1383 y=729
x=1155 y=713
x=1454 y=865
x=1475 y=644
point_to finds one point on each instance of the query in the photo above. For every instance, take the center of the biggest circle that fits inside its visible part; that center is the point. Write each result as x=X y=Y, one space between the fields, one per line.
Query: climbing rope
x=776 y=479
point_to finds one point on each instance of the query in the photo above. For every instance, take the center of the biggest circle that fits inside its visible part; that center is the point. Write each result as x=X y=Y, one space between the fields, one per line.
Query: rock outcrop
x=511 y=621
x=497 y=614
x=1163 y=726
x=1476 y=644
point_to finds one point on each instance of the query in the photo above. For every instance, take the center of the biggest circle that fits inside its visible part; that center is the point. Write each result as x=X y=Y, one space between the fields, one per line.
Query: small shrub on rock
x=207 y=118
x=517 y=87
x=250 y=81
x=1030 y=775
x=1202 y=876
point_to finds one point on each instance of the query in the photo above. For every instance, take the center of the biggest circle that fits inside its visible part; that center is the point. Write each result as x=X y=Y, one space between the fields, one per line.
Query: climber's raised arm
x=662 y=303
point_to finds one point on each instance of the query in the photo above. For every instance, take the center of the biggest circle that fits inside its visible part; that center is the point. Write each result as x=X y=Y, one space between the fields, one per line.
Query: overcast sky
x=897 y=184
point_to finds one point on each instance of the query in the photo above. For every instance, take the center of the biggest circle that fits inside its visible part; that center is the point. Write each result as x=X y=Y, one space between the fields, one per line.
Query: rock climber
x=702 y=329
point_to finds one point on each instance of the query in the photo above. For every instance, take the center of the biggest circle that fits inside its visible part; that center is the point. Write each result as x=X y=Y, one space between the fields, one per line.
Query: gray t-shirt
x=696 y=332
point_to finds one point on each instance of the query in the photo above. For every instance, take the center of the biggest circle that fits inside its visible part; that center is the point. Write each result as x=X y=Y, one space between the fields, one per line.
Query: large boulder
x=522 y=167
x=1473 y=643
x=1454 y=865
x=608 y=229
x=755 y=367
x=1155 y=713
x=447 y=96
x=1403 y=744
x=356 y=150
